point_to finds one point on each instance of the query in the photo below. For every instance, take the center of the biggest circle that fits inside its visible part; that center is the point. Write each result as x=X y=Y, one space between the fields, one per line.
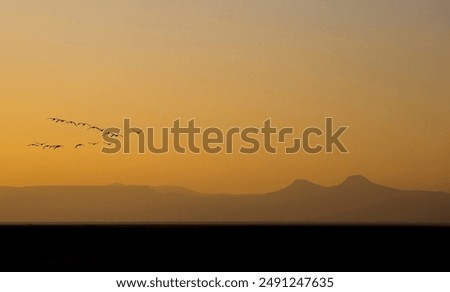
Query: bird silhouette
x=96 y=128
x=89 y=126
x=111 y=134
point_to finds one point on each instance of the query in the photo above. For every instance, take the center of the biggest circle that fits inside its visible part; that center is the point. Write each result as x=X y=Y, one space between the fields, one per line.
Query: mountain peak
x=357 y=179
x=359 y=182
x=302 y=181
x=299 y=183
x=301 y=186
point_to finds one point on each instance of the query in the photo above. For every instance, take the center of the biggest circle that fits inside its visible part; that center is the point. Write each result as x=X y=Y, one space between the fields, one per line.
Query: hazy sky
x=380 y=67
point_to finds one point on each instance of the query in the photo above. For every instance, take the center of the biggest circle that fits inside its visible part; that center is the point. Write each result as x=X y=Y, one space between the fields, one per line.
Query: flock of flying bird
x=44 y=145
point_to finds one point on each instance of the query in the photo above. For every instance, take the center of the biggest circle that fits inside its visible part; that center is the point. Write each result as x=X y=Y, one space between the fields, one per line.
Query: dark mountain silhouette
x=173 y=190
x=301 y=186
x=355 y=201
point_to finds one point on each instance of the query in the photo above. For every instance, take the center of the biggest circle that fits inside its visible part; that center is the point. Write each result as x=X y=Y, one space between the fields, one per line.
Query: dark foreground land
x=223 y=248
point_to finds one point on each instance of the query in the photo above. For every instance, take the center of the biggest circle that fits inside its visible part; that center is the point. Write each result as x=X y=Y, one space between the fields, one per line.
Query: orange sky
x=380 y=67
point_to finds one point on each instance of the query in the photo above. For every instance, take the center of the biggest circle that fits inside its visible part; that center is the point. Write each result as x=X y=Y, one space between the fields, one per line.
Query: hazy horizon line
x=117 y=184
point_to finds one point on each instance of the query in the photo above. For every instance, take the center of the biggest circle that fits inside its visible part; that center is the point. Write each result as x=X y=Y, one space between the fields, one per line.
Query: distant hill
x=355 y=201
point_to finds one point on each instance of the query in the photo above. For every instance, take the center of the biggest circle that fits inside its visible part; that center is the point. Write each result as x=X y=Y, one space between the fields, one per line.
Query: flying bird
x=47 y=146
x=111 y=134
x=72 y=122
x=96 y=128
x=79 y=145
x=93 y=143
x=83 y=124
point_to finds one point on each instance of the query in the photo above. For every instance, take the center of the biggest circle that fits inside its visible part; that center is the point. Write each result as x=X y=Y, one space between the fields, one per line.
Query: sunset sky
x=380 y=67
